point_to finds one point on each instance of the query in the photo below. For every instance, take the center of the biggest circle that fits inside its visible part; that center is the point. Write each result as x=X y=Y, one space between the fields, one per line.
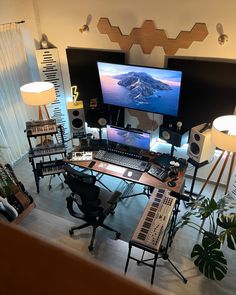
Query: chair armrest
x=114 y=198
x=108 y=200
x=72 y=212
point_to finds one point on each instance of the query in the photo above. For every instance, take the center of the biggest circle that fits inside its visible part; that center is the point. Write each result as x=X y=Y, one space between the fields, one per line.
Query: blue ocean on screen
x=146 y=89
x=140 y=140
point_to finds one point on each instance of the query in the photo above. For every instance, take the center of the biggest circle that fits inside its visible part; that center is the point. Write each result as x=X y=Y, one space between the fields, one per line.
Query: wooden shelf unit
x=24 y=213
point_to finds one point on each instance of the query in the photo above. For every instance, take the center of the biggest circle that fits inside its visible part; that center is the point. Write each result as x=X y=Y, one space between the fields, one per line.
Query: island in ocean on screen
x=142 y=88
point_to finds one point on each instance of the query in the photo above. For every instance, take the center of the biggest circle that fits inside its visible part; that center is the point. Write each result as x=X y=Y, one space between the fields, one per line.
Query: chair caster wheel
x=71 y=232
x=117 y=235
x=90 y=248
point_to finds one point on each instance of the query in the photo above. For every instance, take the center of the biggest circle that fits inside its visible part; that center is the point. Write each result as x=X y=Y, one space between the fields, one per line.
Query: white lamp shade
x=38 y=93
x=223 y=133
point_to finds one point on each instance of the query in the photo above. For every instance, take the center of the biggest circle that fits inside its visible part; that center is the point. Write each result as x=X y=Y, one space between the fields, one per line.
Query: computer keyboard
x=158 y=172
x=122 y=160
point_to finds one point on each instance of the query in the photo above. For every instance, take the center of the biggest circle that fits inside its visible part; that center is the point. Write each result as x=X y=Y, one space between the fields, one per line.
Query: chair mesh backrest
x=88 y=193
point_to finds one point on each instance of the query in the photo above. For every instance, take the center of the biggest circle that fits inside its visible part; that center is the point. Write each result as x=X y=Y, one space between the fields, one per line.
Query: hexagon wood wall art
x=148 y=36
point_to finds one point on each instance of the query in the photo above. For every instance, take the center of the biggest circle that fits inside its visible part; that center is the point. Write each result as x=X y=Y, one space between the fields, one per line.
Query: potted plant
x=217 y=228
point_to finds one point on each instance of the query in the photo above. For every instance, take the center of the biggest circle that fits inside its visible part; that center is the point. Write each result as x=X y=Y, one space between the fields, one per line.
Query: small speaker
x=171 y=136
x=76 y=118
x=200 y=148
x=96 y=117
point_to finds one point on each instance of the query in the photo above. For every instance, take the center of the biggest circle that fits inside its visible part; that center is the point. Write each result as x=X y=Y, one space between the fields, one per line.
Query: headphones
x=175 y=164
x=174 y=169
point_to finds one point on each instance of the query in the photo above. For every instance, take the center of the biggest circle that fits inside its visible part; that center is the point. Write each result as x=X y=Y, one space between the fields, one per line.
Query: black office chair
x=94 y=202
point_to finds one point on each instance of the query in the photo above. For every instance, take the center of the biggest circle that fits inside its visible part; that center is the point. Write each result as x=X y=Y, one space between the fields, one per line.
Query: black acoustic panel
x=207 y=92
x=82 y=63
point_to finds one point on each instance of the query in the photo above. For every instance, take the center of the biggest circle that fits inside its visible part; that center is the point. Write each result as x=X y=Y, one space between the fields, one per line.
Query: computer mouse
x=130 y=173
x=171 y=183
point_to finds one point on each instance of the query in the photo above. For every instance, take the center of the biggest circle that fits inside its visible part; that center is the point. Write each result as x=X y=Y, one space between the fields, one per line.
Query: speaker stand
x=117 y=116
x=100 y=133
x=196 y=167
x=172 y=150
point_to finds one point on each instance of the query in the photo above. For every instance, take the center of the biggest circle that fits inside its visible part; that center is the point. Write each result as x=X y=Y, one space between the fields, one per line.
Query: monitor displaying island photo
x=148 y=89
x=130 y=138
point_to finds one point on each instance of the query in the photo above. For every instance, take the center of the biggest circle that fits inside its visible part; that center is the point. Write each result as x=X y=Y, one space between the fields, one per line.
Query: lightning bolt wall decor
x=148 y=36
x=74 y=93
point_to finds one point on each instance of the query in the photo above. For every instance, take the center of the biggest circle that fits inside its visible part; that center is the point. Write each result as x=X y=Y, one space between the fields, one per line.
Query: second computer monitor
x=130 y=138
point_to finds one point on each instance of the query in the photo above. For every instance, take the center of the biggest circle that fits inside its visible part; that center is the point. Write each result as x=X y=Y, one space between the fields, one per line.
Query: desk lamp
x=223 y=134
x=38 y=94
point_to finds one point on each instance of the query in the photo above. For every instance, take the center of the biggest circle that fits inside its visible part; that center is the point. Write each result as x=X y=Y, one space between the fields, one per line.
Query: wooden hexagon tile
x=148 y=36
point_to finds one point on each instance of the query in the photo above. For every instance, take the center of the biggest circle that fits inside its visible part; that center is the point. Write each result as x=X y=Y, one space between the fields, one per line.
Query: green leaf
x=210 y=260
x=210 y=240
x=228 y=223
x=207 y=207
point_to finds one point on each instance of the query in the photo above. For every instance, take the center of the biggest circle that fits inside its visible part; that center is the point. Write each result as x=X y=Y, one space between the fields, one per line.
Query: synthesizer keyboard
x=50 y=167
x=35 y=128
x=46 y=151
x=122 y=160
x=152 y=225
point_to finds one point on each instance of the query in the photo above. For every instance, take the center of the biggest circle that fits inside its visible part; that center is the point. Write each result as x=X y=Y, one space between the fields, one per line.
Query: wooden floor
x=51 y=221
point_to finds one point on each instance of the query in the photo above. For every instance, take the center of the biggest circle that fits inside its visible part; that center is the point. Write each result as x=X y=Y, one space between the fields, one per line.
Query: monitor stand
x=172 y=150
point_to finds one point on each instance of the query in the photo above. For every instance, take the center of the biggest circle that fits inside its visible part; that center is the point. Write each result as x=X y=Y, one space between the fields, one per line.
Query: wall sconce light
x=85 y=27
x=222 y=37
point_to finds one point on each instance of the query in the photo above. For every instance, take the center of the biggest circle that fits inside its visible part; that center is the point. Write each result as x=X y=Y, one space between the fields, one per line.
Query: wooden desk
x=145 y=178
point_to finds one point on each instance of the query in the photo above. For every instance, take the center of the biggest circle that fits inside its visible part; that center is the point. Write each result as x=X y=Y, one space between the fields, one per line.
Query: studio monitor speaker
x=172 y=136
x=96 y=117
x=76 y=118
x=200 y=147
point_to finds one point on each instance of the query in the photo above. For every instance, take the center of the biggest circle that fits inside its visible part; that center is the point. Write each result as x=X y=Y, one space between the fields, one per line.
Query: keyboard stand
x=162 y=253
x=147 y=190
x=50 y=182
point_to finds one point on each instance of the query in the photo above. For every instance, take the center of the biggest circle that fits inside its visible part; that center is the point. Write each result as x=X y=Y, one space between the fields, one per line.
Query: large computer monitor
x=130 y=138
x=148 y=89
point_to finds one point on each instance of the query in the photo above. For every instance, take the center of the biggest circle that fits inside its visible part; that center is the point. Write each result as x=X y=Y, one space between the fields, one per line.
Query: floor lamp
x=223 y=134
x=39 y=94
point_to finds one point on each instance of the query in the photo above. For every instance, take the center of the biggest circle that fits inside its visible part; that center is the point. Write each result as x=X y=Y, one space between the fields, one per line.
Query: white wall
x=60 y=20
x=19 y=10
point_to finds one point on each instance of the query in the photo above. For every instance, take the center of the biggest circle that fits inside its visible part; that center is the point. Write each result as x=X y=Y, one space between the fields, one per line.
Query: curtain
x=14 y=72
